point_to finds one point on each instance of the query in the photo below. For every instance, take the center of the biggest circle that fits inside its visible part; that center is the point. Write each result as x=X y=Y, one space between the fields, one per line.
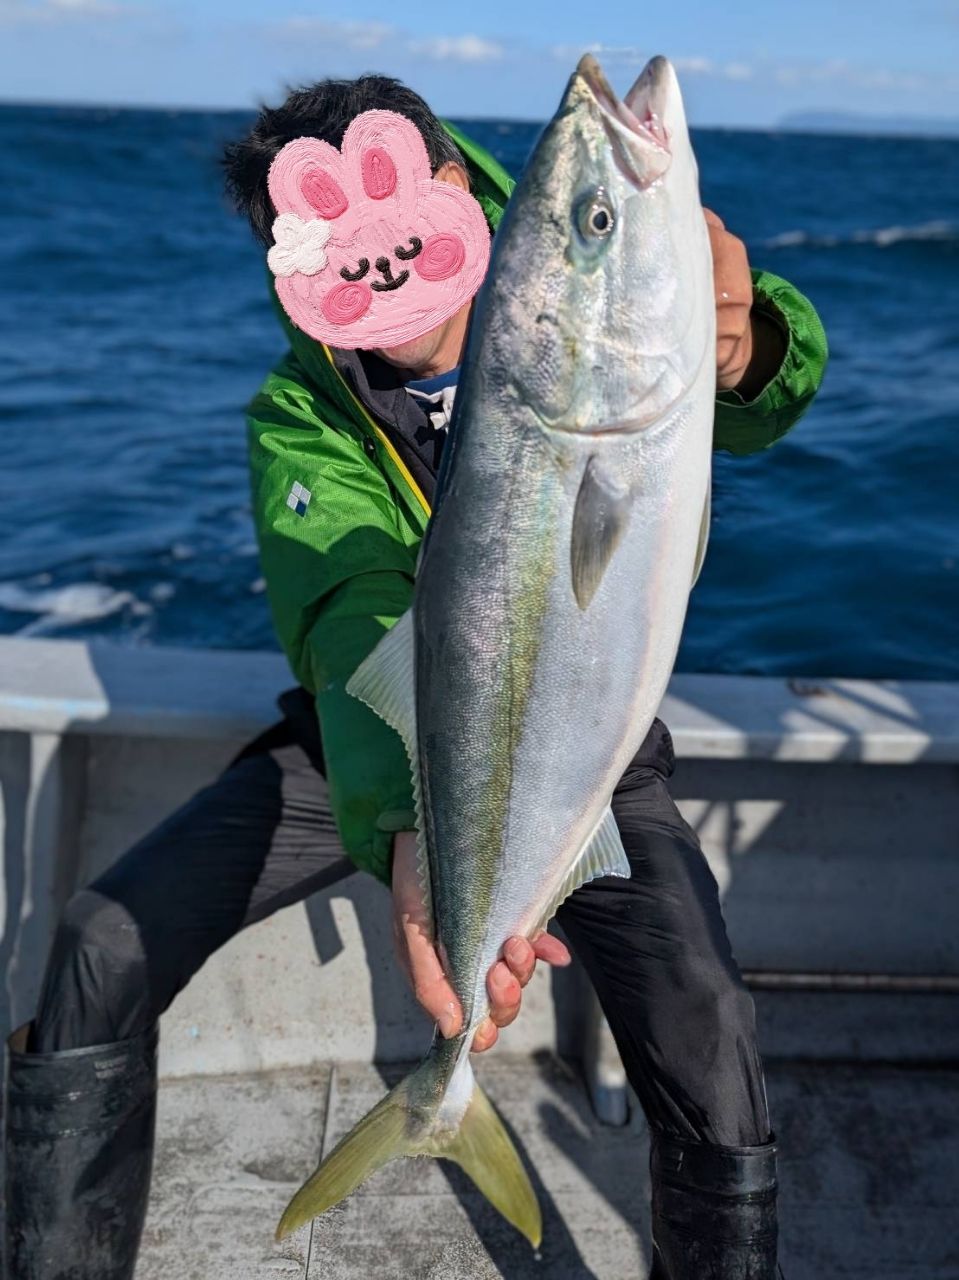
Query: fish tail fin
x=378 y=1138
x=455 y=1121
x=484 y=1150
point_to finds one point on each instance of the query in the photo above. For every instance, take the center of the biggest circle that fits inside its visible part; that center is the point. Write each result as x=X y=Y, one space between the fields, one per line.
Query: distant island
x=850 y=122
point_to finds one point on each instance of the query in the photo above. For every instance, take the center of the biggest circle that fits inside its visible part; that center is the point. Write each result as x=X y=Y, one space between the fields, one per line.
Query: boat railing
x=828 y=809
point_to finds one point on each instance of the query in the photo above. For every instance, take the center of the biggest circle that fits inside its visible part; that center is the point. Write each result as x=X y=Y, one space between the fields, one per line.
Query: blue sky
x=745 y=63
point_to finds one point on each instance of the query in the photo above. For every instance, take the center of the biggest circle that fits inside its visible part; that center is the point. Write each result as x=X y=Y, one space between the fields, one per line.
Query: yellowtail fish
x=570 y=524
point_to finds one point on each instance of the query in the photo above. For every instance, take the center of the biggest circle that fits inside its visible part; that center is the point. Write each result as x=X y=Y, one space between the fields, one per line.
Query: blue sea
x=134 y=326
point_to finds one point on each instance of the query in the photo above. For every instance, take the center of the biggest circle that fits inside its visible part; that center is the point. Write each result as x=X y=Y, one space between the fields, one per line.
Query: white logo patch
x=298 y=499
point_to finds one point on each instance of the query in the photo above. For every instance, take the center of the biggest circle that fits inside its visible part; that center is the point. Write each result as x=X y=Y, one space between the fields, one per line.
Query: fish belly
x=531 y=707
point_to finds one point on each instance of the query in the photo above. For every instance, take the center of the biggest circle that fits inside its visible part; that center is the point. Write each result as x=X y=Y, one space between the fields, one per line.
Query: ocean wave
x=938 y=231
x=55 y=608
x=162 y=592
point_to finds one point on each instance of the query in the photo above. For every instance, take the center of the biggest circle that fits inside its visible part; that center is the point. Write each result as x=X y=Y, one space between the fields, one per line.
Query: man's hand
x=418 y=956
x=734 y=300
x=749 y=345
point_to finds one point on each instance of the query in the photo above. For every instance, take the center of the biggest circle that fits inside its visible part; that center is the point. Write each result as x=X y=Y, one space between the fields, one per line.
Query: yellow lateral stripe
x=381 y=436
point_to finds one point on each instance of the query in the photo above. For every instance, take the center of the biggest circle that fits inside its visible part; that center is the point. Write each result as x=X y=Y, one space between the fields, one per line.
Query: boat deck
x=869 y=1172
x=828 y=811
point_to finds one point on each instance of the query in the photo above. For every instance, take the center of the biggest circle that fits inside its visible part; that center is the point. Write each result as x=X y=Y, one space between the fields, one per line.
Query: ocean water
x=134 y=325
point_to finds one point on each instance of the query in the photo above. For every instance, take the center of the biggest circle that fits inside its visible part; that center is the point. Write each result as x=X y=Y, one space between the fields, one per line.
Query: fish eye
x=595 y=218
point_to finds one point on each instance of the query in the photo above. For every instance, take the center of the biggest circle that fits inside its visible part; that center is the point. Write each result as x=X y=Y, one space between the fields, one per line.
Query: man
x=345 y=446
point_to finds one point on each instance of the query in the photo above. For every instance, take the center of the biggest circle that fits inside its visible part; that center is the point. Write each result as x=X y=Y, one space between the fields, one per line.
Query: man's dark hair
x=322 y=110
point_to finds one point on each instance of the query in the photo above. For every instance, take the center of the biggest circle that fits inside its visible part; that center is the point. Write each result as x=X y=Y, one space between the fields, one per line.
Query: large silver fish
x=552 y=587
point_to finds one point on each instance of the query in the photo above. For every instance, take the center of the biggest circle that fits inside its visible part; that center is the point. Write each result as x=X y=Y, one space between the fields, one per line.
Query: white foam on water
x=58 y=607
x=881 y=237
x=786 y=240
x=162 y=592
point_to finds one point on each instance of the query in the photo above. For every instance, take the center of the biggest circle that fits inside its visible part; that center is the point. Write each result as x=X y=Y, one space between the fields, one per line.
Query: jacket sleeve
x=743 y=427
x=339 y=574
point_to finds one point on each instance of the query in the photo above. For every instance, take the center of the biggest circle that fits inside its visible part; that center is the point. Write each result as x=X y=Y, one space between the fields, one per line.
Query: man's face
x=425 y=352
x=371 y=249
x=418 y=353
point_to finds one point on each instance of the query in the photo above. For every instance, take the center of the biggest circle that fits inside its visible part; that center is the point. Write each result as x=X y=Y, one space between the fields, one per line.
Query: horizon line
x=778 y=127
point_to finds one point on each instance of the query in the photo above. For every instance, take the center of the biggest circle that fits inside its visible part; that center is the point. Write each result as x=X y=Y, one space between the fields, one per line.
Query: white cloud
x=32 y=12
x=376 y=35
x=838 y=71
x=468 y=48
x=85 y=6
x=635 y=55
x=621 y=52
x=696 y=66
x=609 y=54
x=835 y=71
x=573 y=52
x=347 y=35
x=700 y=66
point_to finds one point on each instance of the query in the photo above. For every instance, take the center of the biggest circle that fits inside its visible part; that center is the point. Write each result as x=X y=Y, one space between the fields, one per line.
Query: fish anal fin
x=386 y=682
x=599 y=522
x=602 y=855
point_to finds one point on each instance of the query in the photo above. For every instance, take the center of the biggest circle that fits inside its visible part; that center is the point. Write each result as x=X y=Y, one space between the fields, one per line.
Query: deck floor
x=869 y=1173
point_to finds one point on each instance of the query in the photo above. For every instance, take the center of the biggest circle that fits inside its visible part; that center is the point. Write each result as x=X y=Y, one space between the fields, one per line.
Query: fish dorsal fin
x=599 y=521
x=703 y=534
x=602 y=855
x=386 y=682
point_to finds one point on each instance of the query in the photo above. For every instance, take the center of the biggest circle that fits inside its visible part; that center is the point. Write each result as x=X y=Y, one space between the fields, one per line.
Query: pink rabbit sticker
x=370 y=250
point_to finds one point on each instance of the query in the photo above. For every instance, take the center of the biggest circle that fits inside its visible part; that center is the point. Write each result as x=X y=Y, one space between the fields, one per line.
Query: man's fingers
x=486 y=1036
x=550 y=949
x=430 y=986
x=441 y=1004
x=734 y=299
x=731 y=275
x=504 y=994
x=521 y=958
x=521 y=955
x=414 y=941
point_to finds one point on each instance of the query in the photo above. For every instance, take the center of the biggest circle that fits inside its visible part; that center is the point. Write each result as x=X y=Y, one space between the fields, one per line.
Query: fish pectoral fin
x=602 y=855
x=599 y=522
x=386 y=682
x=703 y=534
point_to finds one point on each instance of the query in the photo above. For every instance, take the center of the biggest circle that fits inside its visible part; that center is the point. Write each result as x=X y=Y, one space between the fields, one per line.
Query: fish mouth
x=634 y=125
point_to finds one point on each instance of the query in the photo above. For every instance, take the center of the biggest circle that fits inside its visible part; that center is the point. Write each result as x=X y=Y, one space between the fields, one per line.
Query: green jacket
x=339 y=563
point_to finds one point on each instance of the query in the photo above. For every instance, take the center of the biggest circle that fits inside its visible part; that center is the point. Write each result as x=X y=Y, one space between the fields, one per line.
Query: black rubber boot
x=714 y=1211
x=79 y=1150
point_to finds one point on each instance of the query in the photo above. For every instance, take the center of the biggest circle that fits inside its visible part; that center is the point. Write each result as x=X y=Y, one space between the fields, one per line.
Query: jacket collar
x=378 y=387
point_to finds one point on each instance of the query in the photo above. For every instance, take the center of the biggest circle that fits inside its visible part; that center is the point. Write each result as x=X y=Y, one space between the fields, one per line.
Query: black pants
x=262 y=837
